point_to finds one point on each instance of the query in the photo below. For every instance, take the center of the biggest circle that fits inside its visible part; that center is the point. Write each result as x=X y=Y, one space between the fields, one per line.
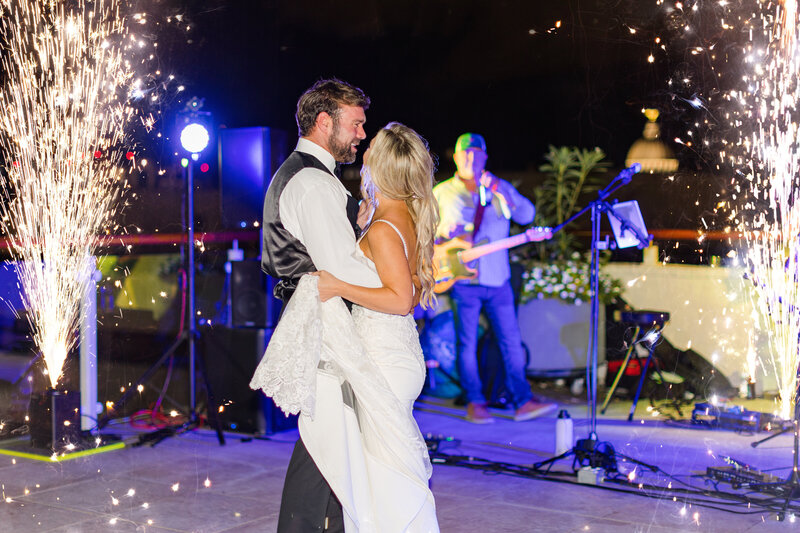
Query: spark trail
x=62 y=113
x=773 y=233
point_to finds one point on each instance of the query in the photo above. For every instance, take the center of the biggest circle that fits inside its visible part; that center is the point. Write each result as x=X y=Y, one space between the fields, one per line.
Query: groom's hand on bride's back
x=327 y=284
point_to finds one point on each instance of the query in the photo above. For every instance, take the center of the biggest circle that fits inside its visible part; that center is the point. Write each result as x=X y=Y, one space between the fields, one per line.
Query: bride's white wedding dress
x=354 y=378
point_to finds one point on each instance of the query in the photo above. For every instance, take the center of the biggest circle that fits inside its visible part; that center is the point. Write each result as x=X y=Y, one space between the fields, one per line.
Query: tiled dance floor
x=190 y=483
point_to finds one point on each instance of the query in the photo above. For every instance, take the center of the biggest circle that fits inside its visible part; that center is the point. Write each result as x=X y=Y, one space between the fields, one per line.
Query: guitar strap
x=476 y=223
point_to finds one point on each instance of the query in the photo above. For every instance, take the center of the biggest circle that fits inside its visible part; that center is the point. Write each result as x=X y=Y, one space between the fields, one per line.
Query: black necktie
x=337 y=171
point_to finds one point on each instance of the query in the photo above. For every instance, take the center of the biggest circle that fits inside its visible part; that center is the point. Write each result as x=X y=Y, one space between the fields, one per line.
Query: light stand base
x=155 y=437
x=790 y=489
x=587 y=453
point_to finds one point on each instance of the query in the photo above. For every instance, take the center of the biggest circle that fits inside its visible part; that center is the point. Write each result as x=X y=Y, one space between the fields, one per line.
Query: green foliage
x=567 y=280
x=572 y=173
x=561 y=271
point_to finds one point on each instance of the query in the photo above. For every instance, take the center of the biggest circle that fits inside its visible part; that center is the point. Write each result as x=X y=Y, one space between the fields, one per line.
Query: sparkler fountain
x=773 y=234
x=61 y=116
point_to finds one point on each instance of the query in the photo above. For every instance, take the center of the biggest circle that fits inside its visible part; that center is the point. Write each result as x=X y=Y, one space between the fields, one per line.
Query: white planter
x=557 y=336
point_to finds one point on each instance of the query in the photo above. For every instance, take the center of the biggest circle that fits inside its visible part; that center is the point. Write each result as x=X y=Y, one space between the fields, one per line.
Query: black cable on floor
x=696 y=496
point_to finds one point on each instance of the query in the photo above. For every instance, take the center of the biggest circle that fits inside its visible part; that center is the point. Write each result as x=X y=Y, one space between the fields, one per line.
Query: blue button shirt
x=457 y=213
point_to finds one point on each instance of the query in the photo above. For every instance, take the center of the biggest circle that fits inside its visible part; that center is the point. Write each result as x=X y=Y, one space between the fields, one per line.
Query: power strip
x=590 y=475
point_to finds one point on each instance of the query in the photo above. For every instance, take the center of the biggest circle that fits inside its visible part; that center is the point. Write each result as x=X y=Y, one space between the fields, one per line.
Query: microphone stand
x=597 y=207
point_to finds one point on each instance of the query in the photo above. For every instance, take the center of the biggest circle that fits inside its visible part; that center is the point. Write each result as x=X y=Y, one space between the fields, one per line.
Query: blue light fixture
x=194 y=138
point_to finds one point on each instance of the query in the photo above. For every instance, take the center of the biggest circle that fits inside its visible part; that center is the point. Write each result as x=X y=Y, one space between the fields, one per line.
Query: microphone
x=623 y=178
x=627 y=173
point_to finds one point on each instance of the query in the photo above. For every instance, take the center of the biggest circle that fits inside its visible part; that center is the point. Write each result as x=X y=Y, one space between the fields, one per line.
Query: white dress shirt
x=313 y=208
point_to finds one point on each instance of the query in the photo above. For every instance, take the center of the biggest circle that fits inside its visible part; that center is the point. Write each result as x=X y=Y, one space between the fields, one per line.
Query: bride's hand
x=327 y=285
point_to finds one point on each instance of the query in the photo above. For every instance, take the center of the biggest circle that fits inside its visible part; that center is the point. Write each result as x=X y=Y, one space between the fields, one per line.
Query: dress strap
x=405 y=248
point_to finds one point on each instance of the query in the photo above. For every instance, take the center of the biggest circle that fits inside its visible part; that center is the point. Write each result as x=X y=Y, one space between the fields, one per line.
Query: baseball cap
x=470 y=140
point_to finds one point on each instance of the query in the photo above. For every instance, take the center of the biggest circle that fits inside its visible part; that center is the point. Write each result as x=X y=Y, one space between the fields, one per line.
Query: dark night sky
x=442 y=67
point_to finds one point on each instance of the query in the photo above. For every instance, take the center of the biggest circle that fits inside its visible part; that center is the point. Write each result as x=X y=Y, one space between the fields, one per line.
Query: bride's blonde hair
x=399 y=165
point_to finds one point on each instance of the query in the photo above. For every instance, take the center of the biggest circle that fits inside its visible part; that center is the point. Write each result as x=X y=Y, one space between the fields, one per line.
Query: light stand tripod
x=194 y=141
x=587 y=448
x=189 y=335
x=785 y=428
x=789 y=489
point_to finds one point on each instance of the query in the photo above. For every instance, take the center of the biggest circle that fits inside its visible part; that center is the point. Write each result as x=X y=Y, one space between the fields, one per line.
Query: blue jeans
x=498 y=302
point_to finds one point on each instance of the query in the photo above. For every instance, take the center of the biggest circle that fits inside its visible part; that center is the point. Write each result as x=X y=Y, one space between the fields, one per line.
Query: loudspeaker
x=231 y=357
x=252 y=302
x=248 y=157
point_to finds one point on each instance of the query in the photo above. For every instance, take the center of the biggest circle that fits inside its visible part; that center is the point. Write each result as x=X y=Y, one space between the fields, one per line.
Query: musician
x=477 y=205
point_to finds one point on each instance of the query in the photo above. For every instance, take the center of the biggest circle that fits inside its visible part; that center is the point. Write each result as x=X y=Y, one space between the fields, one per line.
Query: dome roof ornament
x=650 y=151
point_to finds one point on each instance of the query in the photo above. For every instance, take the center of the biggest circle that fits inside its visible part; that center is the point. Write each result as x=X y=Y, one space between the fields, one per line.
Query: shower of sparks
x=773 y=233
x=62 y=120
x=740 y=60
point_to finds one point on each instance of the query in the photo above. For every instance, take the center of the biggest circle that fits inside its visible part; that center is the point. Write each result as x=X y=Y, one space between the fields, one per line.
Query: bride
x=357 y=393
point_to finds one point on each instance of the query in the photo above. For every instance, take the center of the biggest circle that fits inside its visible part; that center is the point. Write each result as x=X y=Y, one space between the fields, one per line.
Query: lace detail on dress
x=288 y=371
x=384 y=329
x=310 y=331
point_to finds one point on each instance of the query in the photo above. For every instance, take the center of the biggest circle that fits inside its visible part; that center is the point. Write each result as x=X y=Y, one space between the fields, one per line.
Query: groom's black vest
x=282 y=255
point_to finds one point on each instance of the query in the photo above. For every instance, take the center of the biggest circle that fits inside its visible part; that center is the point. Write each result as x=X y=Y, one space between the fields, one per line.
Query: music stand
x=629 y=232
x=627 y=223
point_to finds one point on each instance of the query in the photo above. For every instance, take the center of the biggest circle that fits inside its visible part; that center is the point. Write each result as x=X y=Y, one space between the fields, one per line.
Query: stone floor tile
x=204 y=512
x=106 y=525
x=28 y=517
x=104 y=496
x=263 y=525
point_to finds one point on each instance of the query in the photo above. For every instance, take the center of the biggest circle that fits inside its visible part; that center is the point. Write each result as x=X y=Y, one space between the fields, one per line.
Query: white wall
x=710 y=310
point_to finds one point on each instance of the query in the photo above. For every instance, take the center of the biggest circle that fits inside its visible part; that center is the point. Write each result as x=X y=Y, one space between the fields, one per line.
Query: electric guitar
x=451 y=258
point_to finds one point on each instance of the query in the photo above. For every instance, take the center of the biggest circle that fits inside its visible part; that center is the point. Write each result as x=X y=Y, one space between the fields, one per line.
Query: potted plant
x=555 y=282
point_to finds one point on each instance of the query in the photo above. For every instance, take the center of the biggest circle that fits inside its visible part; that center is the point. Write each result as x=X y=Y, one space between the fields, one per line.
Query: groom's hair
x=328 y=96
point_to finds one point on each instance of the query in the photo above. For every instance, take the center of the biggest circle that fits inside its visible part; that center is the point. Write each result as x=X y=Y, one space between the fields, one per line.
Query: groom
x=310 y=224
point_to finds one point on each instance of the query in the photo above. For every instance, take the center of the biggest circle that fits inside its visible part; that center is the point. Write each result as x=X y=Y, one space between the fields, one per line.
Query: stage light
x=204 y=167
x=184 y=162
x=194 y=138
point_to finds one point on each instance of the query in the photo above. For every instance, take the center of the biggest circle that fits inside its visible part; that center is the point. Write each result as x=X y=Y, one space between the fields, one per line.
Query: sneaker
x=478 y=413
x=532 y=409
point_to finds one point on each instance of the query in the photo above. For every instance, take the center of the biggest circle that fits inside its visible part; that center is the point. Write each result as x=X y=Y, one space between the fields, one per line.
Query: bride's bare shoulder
x=402 y=221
